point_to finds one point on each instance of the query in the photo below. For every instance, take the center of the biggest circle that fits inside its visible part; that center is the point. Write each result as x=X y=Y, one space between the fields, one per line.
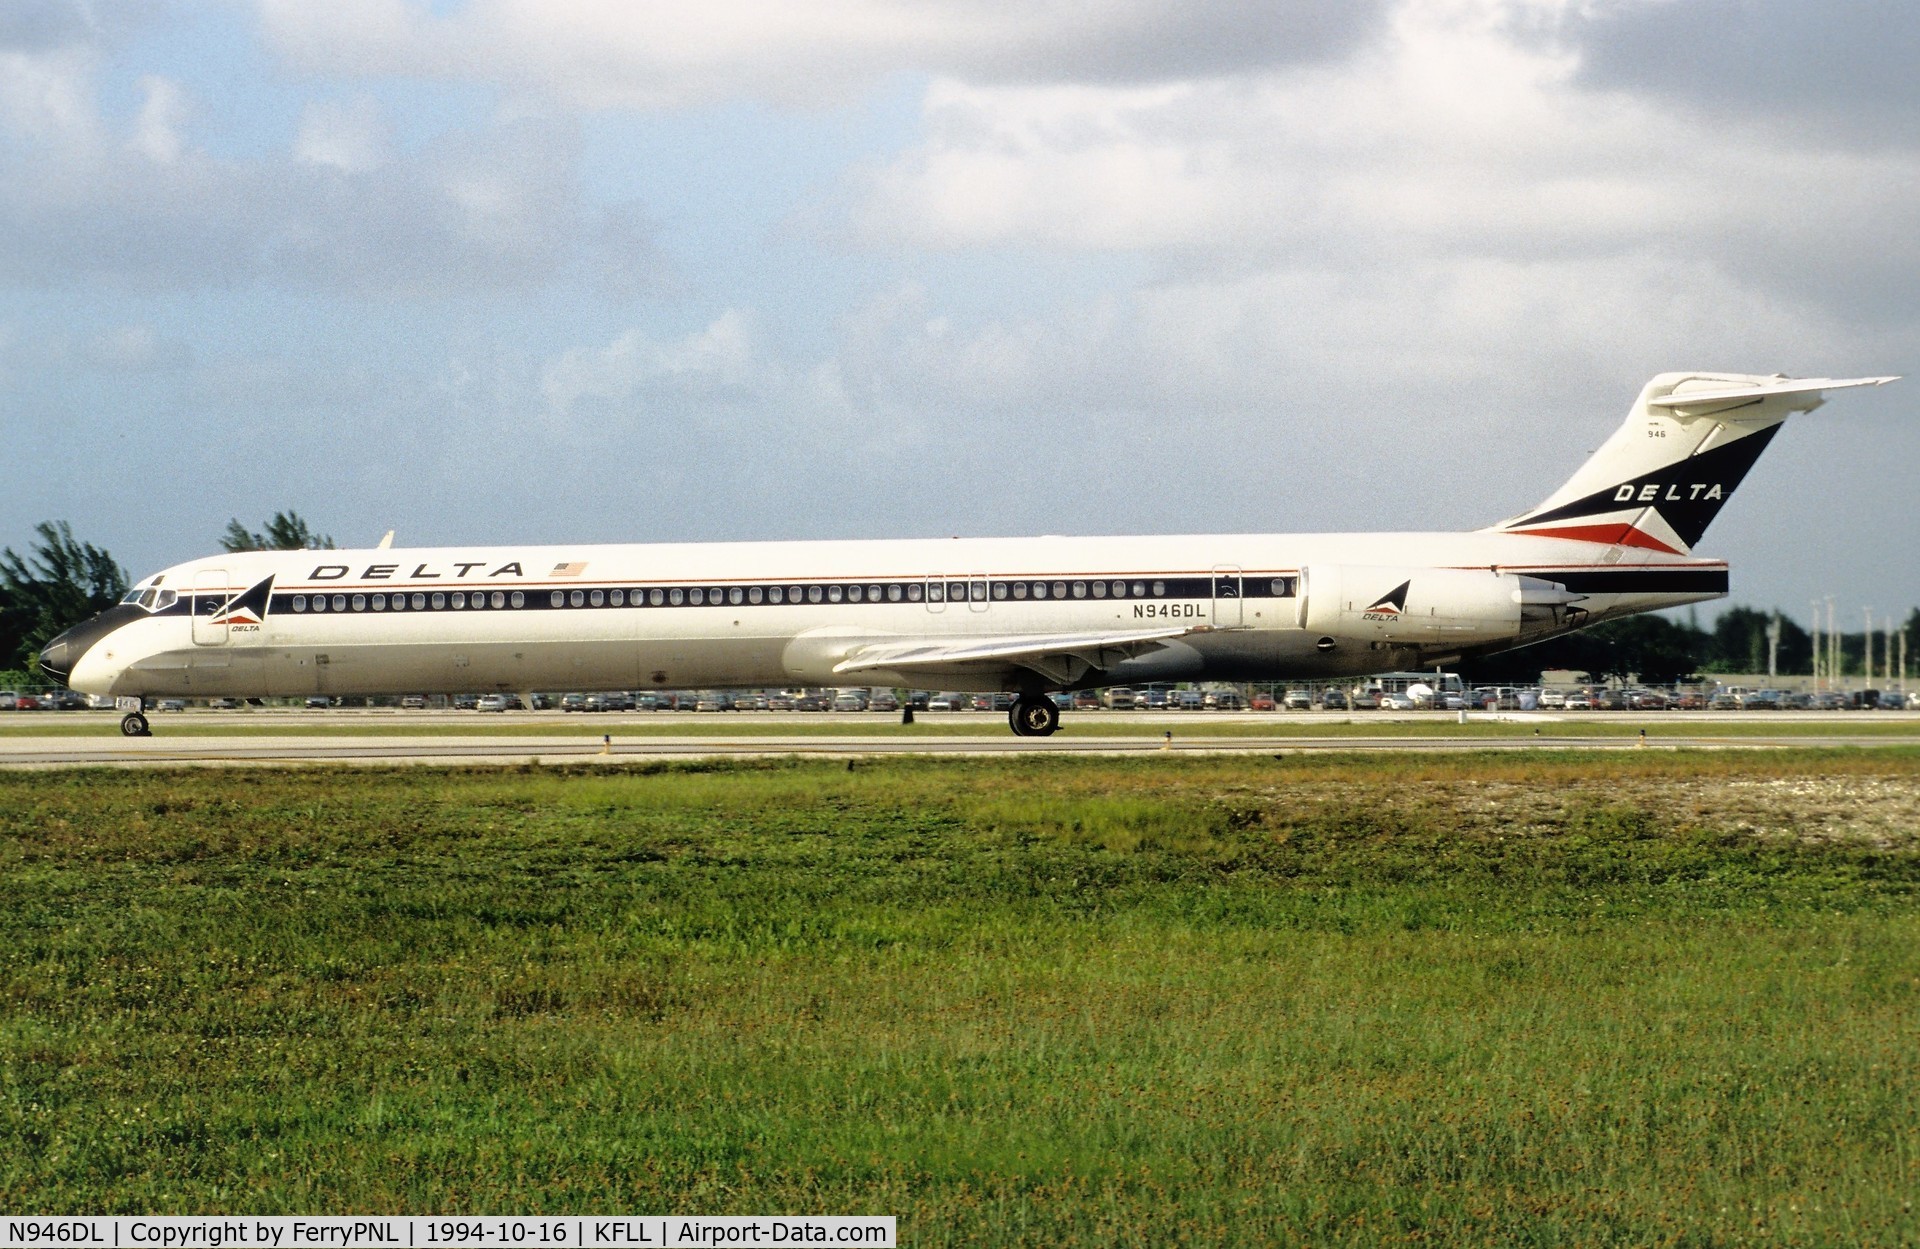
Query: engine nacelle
x=1425 y=606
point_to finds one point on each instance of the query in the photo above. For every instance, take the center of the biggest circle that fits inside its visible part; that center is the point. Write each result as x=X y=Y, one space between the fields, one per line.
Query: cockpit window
x=132 y=596
x=148 y=598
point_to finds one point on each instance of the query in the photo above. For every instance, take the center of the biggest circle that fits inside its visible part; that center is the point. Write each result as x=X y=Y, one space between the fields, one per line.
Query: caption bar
x=443 y=1232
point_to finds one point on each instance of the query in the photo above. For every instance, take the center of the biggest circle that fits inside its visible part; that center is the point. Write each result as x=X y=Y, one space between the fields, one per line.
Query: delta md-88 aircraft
x=1029 y=616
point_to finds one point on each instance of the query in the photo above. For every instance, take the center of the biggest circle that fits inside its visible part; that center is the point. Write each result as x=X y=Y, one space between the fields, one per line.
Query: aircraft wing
x=1061 y=657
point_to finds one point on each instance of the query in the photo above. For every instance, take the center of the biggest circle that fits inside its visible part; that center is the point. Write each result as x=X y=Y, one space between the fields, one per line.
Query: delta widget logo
x=1389 y=605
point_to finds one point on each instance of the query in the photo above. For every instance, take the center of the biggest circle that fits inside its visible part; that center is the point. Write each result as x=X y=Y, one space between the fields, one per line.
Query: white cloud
x=347 y=135
x=156 y=131
x=718 y=365
x=606 y=53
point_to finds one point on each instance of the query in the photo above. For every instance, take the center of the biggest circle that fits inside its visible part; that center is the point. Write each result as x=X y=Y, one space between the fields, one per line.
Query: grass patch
x=1536 y=998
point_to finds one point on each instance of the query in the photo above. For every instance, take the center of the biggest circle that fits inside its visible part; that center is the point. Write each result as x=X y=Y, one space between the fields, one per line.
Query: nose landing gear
x=134 y=723
x=1033 y=716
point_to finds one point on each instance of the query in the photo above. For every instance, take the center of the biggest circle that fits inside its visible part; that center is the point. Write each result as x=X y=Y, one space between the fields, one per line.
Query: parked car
x=1579 y=700
x=315 y=702
x=1397 y=701
x=1263 y=701
x=1297 y=700
x=171 y=704
x=213 y=704
x=947 y=702
x=1333 y=700
x=1366 y=700
x=414 y=702
x=1892 y=700
x=574 y=702
x=883 y=700
x=849 y=700
x=491 y=702
x=1552 y=700
x=1117 y=698
x=1086 y=700
x=1150 y=700
x=1188 y=700
x=26 y=702
x=1225 y=700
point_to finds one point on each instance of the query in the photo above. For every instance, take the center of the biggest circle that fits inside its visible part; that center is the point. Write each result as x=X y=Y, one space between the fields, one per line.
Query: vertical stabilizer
x=1688 y=441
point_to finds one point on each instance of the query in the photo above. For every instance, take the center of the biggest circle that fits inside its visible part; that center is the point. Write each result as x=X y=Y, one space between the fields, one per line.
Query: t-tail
x=1687 y=442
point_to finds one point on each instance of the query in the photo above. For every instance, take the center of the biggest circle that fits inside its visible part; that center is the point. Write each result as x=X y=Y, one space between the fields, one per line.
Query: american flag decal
x=569 y=570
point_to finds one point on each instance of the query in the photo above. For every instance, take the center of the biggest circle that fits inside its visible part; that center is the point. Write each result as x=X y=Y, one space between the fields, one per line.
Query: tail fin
x=1688 y=441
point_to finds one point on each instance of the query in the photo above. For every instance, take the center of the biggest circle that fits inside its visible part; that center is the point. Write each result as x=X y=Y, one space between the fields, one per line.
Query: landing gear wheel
x=1033 y=717
x=133 y=724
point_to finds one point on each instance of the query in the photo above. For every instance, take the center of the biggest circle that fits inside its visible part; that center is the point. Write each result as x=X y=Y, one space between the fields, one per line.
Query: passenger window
x=379 y=602
x=736 y=596
x=753 y=594
x=459 y=602
x=999 y=589
x=439 y=601
x=774 y=594
x=597 y=599
x=518 y=599
x=1099 y=589
x=399 y=602
x=696 y=596
x=835 y=594
x=873 y=594
x=577 y=598
x=936 y=593
x=814 y=594
x=420 y=601
x=893 y=594
x=299 y=602
x=556 y=599
x=913 y=592
x=1139 y=589
x=678 y=596
x=339 y=602
x=1020 y=590
x=319 y=602
x=1159 y=589
x=854 y=593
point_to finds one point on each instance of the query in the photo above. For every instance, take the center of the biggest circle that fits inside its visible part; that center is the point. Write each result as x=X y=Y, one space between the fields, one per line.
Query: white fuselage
x=620 y=617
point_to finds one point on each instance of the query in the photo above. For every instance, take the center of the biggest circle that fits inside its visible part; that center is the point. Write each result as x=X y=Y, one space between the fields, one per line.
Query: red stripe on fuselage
x=1612 y=535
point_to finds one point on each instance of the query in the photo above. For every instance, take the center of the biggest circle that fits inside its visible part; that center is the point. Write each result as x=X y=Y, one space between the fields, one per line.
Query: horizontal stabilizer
x=1682 y=400
x=1062 y=656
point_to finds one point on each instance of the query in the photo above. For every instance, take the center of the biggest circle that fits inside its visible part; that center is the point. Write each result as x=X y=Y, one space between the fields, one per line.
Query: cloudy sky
x=587 y=270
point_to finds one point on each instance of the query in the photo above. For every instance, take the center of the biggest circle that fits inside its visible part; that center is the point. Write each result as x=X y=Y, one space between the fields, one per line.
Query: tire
x=1033 y=717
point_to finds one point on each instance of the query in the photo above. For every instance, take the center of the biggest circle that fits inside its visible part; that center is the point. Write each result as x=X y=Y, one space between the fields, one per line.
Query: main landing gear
x=134 y=723
x=1033 y=715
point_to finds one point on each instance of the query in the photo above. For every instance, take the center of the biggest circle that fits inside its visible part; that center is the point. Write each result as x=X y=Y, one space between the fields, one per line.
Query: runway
x=449 y=739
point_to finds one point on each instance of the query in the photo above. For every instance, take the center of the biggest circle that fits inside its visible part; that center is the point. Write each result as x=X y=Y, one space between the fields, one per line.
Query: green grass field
x=1543 y=999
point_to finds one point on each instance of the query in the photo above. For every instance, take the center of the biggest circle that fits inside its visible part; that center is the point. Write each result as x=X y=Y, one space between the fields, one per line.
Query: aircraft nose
x=61 y=655
x=54 y=660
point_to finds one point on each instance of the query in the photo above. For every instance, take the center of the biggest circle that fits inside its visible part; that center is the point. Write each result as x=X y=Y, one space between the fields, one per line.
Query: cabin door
x=210 y=594
x=1227 y=610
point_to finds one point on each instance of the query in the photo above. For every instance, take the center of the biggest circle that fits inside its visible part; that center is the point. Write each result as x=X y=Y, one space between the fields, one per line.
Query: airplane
x=1027 y=616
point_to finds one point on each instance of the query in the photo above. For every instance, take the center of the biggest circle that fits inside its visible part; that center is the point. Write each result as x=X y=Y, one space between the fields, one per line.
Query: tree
x=63 y=583
x=287 y=531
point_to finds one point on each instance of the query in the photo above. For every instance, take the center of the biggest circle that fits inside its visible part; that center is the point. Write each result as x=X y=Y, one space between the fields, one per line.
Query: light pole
x=1815 y=646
